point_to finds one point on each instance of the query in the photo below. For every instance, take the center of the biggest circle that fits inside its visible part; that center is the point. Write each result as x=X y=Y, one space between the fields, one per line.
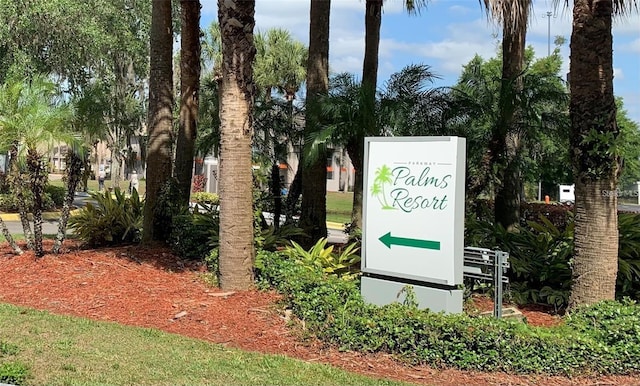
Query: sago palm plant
x=33 y=119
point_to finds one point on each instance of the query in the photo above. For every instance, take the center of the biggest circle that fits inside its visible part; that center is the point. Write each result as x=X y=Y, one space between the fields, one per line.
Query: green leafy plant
x=628 y=283
x=271 y=239
x=195 y=233
x=344 y=264
x=109 y=219
x=599 y=339
x=56 y=194
x=205 y=198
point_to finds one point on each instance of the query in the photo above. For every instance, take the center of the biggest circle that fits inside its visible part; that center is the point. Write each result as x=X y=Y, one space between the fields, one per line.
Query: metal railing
x=488 y=265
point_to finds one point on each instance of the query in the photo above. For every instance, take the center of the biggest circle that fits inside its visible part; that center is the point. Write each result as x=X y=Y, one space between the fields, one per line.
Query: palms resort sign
x=413 y=217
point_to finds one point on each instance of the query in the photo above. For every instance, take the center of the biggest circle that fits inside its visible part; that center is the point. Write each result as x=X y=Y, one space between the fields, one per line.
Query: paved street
x=336 y=236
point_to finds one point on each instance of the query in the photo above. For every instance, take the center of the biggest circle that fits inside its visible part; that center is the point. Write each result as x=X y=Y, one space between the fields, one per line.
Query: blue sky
x=444 y=36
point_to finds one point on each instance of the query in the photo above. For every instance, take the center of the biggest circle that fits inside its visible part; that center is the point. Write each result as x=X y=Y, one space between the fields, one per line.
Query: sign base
x=381 y=292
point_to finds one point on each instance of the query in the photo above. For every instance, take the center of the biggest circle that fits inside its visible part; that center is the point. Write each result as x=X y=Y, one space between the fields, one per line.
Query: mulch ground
x=152 y=288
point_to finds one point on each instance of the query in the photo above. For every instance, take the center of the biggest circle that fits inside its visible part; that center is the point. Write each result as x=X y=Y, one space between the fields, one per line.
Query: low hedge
x=333 y=310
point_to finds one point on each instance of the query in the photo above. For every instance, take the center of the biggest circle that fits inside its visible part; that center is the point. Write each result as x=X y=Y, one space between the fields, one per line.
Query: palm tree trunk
x=15 y=179
x=9 y=238
x=313 y=219
x=276 y=190
x=596 y=169
x=74 y=173
x=507 y=135
x=236 y=19
x=160 y=119
x=295 y=190
x=189 y=91
x=38 y=181
x=355 y=146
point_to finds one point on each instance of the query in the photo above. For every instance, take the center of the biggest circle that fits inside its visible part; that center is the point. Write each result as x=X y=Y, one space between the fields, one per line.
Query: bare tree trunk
x=189 y=90
x=236 y=19
x=596 y=169
x=313 y=220
x=160 y=118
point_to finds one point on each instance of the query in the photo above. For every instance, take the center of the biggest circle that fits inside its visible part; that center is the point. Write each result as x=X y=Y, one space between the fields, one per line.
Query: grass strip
x=64 y=350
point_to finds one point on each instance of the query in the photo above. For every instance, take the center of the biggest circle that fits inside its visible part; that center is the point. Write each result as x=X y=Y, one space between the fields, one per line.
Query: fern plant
x=109 y=219
x=344 y=264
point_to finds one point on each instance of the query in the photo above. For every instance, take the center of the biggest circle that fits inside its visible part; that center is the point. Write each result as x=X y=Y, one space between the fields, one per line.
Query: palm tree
x=314 y=173
x=507 y=141
x=160 y=118
x=10 y=101
x=280 y=65
x=189 y=94
x=355 y=144
x=594 y=149
x=33 y=121
x=236 y=19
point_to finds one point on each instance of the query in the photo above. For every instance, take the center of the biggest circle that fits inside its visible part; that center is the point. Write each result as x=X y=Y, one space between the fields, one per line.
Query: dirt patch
x=152 y=288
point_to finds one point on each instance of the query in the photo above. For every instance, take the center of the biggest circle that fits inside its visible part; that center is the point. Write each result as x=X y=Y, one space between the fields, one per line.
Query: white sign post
x=413 y=220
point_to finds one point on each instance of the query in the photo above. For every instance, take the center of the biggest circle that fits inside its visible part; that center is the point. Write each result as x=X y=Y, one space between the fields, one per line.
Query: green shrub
x=195 y=234
x=271 y=239
x=9 y=203
x=109 y=220
x=205 y=198
x=57 y=194
x=333 y=310
x=615 y=325
x=628 y=283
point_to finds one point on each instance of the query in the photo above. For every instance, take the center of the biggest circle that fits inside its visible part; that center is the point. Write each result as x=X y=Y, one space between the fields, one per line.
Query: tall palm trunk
x=236 y=19
x=38 y=177
x=313 y=219
x=160 y=119
x=17 y=184
x=507 y=135
x=295 y=190
x=74 y=174
x=189 y=90
x=593 y=117
x=355 y=145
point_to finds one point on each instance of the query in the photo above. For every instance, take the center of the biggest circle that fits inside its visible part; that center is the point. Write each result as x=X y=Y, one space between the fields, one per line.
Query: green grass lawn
x=339 y=207
x=93 y=185
x=64 y=350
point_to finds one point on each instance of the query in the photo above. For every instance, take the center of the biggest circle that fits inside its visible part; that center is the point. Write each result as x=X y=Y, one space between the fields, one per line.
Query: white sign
x=413 y=219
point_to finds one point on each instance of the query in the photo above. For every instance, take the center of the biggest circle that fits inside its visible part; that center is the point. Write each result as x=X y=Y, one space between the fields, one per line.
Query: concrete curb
x=335 y=225
x=47 y=216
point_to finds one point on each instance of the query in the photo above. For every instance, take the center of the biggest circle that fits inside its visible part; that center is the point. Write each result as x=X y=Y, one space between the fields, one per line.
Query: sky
x=445 y=36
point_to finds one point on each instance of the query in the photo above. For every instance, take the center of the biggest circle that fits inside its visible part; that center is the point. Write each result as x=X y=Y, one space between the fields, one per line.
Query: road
x=335 y=236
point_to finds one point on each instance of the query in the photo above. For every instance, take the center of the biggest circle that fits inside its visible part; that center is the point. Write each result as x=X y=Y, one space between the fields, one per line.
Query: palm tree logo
x=383 y=177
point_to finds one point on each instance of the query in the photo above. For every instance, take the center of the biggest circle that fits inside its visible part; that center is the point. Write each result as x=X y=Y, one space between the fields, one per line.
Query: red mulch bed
x=152 y=288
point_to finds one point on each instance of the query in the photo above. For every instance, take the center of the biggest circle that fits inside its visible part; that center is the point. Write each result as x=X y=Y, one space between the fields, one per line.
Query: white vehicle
x=567 y=193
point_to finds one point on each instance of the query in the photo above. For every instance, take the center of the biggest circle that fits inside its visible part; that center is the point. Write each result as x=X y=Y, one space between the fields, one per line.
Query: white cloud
x=633 y=46
x=459 y=9
x=618 y=74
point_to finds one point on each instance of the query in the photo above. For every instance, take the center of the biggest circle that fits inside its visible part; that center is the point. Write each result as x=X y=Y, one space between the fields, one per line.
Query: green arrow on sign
x=389 y=240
